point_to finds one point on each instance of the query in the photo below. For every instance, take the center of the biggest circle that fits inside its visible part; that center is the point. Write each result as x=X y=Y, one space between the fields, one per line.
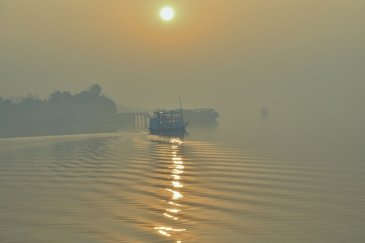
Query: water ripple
x=139 y=188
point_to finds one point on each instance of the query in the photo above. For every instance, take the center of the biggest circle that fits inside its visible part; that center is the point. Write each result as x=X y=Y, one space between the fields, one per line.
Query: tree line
x=61 y=113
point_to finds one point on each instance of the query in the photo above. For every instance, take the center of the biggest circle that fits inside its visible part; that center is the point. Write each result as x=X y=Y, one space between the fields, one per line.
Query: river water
x=136 y=187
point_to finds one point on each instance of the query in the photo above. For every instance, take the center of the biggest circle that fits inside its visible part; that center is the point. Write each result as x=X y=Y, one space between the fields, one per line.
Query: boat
x=167 y=121
x=200 y=115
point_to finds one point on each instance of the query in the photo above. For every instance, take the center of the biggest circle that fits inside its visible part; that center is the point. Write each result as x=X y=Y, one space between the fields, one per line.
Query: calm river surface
x=135 y=187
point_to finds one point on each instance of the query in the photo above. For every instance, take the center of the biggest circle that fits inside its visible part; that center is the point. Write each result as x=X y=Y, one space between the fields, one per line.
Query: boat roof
x=161 y=111
x=201 y=109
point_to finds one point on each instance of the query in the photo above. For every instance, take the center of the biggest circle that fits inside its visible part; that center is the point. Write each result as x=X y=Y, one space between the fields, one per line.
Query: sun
x=167 y=13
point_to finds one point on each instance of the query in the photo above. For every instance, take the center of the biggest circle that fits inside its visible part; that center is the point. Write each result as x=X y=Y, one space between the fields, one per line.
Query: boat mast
x=181 y=110
x=180 y=103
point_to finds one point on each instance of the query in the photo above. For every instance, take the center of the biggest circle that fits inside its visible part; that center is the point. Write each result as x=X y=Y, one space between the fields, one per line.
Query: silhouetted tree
x=81 y=112
x=95 y=89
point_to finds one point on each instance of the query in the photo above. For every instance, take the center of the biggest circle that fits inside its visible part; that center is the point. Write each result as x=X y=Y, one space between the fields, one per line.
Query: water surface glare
x=134 y=187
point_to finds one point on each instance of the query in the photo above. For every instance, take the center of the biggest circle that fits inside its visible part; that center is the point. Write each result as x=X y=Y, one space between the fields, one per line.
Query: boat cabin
x=167 y=120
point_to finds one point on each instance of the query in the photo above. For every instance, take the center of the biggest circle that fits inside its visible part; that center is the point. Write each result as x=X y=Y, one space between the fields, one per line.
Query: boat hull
x=169 y=133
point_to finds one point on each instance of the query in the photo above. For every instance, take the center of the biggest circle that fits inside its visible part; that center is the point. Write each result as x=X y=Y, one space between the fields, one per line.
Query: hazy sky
x=300 y=58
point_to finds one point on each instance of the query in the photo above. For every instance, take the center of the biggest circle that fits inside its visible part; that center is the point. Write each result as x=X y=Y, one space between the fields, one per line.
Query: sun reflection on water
x=173 y=208
x=177 y=184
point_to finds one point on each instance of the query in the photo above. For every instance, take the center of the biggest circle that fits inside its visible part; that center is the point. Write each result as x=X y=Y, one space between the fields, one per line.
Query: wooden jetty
x=135 y=121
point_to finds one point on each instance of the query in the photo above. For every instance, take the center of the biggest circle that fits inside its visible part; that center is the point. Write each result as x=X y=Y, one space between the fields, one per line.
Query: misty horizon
x=301 y=60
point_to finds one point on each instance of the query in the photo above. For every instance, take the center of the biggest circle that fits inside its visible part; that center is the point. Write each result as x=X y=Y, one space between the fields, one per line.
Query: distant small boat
x=167 y=121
